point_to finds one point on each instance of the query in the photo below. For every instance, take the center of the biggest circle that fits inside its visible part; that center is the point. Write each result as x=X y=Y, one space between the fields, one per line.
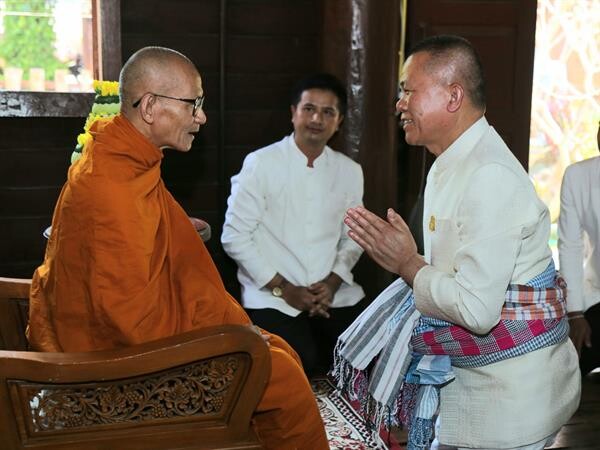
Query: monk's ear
x=457 y=95
x=148 y=108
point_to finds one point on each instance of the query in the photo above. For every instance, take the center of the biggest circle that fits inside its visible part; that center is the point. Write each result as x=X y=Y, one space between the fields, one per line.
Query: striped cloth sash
x=373 y=355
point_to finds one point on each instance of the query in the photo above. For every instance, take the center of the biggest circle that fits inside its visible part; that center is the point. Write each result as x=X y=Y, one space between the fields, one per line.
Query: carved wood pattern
x=196 y=389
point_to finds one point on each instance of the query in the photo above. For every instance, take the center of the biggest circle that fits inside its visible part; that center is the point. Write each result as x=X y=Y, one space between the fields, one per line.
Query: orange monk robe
x=124 y=265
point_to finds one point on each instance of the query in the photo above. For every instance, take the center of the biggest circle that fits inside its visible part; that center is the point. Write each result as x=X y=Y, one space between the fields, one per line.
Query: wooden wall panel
x=256 y=127
x=273 y=17
x=161 y=18
x=503 y=32
x=28 y=201
x=48 y=164
x=360 y=41
x=252 y=91
x=249 y=54
x=34 y=158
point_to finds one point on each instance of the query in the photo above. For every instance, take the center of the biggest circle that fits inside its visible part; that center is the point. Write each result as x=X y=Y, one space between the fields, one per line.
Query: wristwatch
x=277 y=291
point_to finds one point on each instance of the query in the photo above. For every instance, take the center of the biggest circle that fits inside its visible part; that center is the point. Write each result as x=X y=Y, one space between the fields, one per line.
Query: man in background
x=284 y=228
x=579 y=254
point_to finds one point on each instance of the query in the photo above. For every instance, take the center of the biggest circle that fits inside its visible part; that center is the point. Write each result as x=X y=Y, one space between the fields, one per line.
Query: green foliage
x=29 y=39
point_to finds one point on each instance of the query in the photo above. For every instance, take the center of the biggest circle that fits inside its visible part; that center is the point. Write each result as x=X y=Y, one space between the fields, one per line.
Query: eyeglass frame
x=197 y=102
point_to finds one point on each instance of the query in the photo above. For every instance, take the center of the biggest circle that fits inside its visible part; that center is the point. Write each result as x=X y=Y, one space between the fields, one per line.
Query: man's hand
x=580 y=332
x=301 y=298
x=324 y=292
x=389 y=243
x=323 y=297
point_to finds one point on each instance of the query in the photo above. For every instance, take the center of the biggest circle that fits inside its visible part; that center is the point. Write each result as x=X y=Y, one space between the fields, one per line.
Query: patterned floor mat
x=345 y=429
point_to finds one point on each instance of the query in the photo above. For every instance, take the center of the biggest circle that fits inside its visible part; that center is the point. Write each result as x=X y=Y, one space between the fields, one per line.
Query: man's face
x=422 y=105
x=316 y=118
x=176 y=125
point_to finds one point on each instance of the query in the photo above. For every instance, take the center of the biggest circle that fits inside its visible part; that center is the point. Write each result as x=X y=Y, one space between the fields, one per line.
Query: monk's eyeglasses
x=198 y=102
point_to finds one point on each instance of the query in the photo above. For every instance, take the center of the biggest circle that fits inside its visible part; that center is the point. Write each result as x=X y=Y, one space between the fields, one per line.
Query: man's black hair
x=324 y=81
x=448 y=49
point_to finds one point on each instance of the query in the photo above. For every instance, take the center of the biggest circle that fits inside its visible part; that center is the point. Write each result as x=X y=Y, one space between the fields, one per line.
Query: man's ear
x=293 y=110
x=147 y=106
x=457 y=94
x=339 y=124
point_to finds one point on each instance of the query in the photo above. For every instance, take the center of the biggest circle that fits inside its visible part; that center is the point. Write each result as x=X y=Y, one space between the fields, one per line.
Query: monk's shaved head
x=151 y=69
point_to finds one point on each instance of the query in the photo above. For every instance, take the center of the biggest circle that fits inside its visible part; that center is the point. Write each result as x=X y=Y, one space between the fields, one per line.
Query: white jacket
x=484 y=227
x=284 y=217
x=579 y=233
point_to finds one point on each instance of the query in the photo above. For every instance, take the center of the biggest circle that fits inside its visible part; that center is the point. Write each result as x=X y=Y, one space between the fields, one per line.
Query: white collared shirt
x=284 y=217
x=579 y=233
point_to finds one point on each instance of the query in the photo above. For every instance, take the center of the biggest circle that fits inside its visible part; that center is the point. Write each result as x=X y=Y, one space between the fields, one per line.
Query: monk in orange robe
x=124 y=264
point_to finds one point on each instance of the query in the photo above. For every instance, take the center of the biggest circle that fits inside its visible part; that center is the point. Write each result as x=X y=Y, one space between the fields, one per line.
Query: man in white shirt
x=284 y=228
x=484 y=229
x=579 y=254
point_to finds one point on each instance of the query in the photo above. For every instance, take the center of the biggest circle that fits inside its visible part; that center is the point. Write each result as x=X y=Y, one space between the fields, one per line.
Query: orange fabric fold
x=124 y=265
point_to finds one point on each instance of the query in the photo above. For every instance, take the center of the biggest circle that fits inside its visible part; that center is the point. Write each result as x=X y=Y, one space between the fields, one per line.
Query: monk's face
x=178 y=120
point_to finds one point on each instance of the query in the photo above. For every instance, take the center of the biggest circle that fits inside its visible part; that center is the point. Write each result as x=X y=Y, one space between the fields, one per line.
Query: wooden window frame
x=106 y=22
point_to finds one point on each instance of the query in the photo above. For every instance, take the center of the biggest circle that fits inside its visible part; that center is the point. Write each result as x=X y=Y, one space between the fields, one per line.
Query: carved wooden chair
x=197 y=390
x=14 y=307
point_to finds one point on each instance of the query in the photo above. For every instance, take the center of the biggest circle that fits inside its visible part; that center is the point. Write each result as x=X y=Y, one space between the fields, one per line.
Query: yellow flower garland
x=102 y=89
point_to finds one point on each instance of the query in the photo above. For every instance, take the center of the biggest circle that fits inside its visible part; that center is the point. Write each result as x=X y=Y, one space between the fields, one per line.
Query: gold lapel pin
x=432 y=223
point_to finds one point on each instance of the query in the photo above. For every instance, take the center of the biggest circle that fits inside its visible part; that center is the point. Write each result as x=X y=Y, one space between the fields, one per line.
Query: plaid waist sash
x=533 y=317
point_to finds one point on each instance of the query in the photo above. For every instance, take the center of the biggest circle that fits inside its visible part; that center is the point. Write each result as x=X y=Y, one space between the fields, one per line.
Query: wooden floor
x=583 y=430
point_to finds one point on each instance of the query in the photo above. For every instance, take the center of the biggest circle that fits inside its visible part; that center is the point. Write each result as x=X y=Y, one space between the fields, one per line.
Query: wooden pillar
x=360 y=42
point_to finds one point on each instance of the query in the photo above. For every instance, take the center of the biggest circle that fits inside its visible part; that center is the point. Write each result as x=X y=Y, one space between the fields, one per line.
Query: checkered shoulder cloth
x=372 y=356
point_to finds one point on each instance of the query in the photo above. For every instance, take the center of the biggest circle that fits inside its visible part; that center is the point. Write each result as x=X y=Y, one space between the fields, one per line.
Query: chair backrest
x=197 y=390
x=14 y=309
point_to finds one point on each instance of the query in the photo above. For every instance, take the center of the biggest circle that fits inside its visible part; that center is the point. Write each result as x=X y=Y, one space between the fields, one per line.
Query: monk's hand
x=580 y=331
x=262 y=333
x=390 y=243
x=202 y=227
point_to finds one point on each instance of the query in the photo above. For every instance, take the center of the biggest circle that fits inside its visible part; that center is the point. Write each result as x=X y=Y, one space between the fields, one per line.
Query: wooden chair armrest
x=15 y=287
x=195 y=390
x=14 y=307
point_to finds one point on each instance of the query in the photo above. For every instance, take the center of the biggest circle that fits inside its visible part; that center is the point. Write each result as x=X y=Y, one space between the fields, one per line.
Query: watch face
x=277 y=291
